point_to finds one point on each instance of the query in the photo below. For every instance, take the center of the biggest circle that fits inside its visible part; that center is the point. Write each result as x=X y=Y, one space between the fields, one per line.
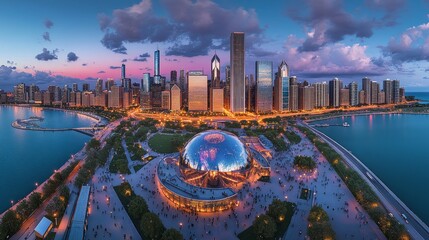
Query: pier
x=28 y=124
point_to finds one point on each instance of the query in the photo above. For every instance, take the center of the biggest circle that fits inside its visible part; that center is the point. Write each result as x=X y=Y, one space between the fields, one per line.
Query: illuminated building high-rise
x=173 y=77
x=85 y=87
x=281 y=88
x=321 y=94
x=237 y=95
x=99 y=87
x=197 y=91
x=227 y=88
x=145 y=82
x=156 y=63
x=264 y=86
x=305 y=97
x=375 y=89
x=334 y=92
x=109 y=83
x=354 y=94
x=123 y=71
x=176 y=98
x=366 y=87
x=395 y=92
x=293 y=94
x=388 y=91
x=215 y=70
x=19 y=92
x=75 y=87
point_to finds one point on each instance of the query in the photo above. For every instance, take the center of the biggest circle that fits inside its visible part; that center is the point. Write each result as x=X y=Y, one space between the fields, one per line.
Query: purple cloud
x=115 y=67
x=48 y=23
x=328 y=22
x=84 y=64
x=46 y=36
x=124 y=60
x=47 y=55
x=142 y=57
x=72 y=57
x=412 y=45
x=100 y=72
x=194 y=27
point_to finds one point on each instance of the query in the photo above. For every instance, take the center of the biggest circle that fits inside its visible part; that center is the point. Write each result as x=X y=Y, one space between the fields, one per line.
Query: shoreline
x=362 y=114
x=71 y=159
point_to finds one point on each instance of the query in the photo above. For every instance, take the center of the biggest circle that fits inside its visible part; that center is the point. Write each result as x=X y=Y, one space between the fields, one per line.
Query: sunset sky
x=51 y=42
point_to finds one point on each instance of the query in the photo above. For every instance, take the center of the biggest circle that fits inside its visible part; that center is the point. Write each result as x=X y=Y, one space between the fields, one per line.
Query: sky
x=50 y=42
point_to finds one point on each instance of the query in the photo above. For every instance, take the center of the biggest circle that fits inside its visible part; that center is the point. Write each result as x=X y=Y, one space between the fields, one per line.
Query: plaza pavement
x=109 y=220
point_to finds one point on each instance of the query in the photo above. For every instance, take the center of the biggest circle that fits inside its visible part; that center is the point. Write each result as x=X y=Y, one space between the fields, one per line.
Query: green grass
x=137 y=167
x=248 y=233
x=170 y=143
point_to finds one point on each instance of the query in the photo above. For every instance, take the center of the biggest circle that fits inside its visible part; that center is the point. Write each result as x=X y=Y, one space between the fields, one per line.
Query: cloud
x=124 y=60
x=72 y=57
x=48 y=23
x=142 y=57
x=137 y=23
x=101 y=71
x=9 y=77
x=46 y=36
x=115 y=67
x=11 y=62
x=329 y=61
x=192 y=27
x=171 y=59
x=327 y=21
x=46 y=55
x=412 y=45
x=84 y=64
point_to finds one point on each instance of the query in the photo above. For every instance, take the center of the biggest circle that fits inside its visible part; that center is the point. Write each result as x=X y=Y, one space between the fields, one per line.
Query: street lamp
x=55 y=216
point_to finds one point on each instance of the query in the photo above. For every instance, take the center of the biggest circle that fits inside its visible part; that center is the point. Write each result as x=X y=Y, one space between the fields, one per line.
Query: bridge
x=33 y=127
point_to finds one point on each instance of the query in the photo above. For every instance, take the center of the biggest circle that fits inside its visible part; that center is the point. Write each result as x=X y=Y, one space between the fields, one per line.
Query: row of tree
x=13 y=219
x=319 y=226
x=363 y=193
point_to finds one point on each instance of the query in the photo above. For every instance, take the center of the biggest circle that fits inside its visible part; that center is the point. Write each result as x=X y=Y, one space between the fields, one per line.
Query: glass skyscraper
x=264 y=86
x=215 y=71
x=237 y=97
x=281 y=88
x=156 y=63
x=145 y=83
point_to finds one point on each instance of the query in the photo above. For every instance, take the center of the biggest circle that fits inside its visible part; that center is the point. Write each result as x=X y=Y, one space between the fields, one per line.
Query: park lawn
x=248 y=233
x=163 y=143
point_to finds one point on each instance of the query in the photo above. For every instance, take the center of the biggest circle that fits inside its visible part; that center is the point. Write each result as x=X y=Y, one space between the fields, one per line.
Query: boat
x=345 y=124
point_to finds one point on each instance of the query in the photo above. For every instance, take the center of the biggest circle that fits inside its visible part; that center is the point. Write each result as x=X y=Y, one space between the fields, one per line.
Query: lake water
x=395 y=147
x=422 y=96
x=27 y=157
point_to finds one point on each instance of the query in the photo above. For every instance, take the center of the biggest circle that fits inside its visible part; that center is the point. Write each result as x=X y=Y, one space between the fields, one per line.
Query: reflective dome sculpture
x=215 y=158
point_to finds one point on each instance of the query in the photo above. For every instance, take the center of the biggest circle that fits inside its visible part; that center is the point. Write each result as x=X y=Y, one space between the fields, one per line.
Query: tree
x=172 y=234
x=277 y=210
x=23 y=209
x=264 y=227
x=93 y=143
x=10 y=223
x=34 y=200
x=151 y=226
x=137 y=207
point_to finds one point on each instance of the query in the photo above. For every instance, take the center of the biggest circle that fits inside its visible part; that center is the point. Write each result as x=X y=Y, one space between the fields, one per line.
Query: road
x=415 y=227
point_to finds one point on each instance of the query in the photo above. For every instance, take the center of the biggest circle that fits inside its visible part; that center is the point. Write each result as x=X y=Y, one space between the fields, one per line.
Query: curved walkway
x=416 y=227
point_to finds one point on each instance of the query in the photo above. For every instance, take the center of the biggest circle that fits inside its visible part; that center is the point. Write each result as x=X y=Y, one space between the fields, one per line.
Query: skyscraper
x=173 y=77
x=215 y=70
x=156 y=63
x=19 y=92
x=227 y=89
x=321 y=94
x=176 y=98
x=334 y=92
x=388 y=91
x=366 y=87
x=99 y=87
x=354 y=94
x=85 y=87
x=375 y=89
x=109 y=83
x=237 y=97
x=264 y=86
x=145 y=82
x=306 y=98
x=123 y=71
x=75 y=87
x=395 y=92
x=293 y=94
x=281 y=88
x=197 y=91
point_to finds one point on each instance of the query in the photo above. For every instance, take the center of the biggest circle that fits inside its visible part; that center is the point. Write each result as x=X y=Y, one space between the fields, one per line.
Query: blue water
x=27 y=157
x=422 y=96
x=395 y=147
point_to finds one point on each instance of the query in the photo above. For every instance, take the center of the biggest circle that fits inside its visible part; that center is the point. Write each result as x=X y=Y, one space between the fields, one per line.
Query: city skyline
x=322 y=40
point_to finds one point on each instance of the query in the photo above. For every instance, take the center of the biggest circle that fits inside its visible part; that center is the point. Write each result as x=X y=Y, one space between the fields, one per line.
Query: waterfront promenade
x=417 y=228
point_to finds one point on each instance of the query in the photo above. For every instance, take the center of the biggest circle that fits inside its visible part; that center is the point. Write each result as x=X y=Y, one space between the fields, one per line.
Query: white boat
x=345 y=124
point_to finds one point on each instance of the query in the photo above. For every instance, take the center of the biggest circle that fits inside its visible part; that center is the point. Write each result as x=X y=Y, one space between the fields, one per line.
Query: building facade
x=264 y=86
x=237 y=96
